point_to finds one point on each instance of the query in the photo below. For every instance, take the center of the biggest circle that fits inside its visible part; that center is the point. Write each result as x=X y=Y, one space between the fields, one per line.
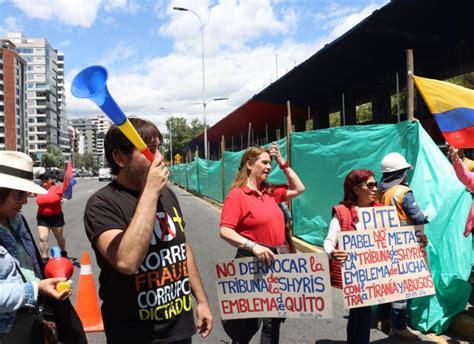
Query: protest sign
x=384 y=264
x=293 y=286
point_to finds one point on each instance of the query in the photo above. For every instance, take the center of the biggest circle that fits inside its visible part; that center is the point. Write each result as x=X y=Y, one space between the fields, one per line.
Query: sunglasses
x=370 y=185
x=18 y=195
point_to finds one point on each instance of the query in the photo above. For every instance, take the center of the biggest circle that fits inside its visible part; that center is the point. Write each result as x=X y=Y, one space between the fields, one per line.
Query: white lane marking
x=91 y=191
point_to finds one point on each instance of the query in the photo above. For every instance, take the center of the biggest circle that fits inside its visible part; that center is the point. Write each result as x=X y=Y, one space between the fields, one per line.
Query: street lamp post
x=203 y=76
x=170 y=137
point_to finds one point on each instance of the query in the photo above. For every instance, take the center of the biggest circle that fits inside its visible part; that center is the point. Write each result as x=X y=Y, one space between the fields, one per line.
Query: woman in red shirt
x=252 y=221
x=50 y=215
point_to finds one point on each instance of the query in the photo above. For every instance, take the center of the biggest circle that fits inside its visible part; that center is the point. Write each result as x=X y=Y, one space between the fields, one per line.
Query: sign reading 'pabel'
x=387 y=262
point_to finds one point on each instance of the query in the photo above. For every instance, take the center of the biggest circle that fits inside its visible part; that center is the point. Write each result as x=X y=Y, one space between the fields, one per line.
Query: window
x=29 y=67
x=24 y=50
x=30 y=85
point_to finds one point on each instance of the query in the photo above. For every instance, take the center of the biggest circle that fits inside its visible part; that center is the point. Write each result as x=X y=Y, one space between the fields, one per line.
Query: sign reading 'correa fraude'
x=387 y=262
x=293 y=286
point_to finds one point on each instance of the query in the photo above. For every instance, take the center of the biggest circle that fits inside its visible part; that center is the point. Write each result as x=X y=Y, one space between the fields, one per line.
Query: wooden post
x=232 y=143
x=410 y=86
x=222 y=167
x=241 y=141
x=197 y=151
x=289 y=127
x=249 y=134
x=343 y=112
x=266 y=132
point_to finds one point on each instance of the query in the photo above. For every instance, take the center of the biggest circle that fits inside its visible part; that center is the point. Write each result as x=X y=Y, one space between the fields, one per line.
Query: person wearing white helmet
x=393 y=190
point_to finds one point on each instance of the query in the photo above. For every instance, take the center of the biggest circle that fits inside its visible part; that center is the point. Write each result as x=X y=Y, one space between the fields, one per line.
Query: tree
x=181 y=134
x=54 y=158
x=78 y=161
x=90 y=162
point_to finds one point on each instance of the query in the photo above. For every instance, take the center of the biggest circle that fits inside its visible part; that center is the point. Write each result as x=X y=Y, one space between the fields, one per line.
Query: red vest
x=347 y=217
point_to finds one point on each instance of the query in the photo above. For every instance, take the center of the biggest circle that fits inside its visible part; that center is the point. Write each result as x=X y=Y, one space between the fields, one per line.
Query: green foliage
x=54 y=158
x=466 y=80
x=182 y=134
x=85 y=161
x=364 y=113
x=334 y=119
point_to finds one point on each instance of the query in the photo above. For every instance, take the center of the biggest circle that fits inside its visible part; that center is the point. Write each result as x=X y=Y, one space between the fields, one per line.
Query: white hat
x=394 y=162
x=16 y=172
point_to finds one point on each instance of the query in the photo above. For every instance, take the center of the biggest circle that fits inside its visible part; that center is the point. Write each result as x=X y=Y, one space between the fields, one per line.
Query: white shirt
x=330 y=242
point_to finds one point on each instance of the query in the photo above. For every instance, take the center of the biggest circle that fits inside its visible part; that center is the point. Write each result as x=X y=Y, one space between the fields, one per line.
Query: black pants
x=358 y=327
x=270 y=332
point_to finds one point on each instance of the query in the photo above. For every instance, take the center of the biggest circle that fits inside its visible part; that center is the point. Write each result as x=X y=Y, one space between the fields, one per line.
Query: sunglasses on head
x=18 y=195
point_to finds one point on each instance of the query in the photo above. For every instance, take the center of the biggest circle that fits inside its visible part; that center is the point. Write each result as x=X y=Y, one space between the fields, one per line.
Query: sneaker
x=405 y=334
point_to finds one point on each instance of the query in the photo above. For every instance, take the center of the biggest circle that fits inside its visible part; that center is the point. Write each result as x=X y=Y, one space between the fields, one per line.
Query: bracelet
x=285 y=165
x=249 y=245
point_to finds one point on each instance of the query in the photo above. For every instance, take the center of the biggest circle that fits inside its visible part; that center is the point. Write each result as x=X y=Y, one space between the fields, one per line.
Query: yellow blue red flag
x=452 y=107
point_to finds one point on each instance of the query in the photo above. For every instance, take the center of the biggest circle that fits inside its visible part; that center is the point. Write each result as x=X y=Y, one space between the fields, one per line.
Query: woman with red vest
x=360 y=190
x=50 y=215
x=252 y=221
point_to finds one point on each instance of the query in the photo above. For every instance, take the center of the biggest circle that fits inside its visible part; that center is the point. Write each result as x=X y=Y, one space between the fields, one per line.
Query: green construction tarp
x=192 y=176
x=210 y=178
x=323 y=158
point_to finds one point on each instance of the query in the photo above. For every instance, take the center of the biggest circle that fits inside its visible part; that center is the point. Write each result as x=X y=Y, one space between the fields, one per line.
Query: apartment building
x=47 y=123
x=91 y=135
x=13 y=128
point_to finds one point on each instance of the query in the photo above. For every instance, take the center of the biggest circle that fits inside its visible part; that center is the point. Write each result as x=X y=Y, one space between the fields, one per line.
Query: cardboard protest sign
x=384 y=264
x=293 y=286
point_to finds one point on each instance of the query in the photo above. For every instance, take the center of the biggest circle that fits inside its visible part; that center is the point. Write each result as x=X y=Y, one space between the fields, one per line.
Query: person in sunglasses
x=360 y=190
x=22 y=286
x=394 y=190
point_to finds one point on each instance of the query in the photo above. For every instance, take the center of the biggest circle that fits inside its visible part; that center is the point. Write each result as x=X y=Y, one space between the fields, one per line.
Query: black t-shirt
x=154 y=305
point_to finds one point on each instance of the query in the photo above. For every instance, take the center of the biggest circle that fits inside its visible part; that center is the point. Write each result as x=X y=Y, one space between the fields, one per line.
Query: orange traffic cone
x=87 y=303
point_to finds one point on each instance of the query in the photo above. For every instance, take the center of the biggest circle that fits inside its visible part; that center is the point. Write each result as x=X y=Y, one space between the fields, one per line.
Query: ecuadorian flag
x=453 y=108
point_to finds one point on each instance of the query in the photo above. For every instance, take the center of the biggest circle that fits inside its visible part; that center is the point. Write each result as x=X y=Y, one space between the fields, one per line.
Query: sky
x=153 y=53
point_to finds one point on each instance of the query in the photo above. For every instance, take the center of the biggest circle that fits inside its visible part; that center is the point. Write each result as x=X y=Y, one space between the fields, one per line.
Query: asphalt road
x=202 y=220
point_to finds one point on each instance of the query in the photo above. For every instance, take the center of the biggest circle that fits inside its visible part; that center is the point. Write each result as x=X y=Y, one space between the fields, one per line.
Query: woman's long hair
x=250 y=156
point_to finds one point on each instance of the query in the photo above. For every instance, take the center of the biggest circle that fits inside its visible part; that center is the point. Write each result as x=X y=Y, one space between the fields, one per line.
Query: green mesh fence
x=323 y=158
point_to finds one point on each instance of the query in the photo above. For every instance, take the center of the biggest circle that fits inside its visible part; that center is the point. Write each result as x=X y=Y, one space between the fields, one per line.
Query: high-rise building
x=63 y=134
x=103 y=124
x=13 y=132
x=91 y=136
x=47 y=124
x=87 y=134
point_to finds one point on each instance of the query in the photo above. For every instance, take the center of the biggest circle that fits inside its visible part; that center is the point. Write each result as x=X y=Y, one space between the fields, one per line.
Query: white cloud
x=237 y=70
x=10 y=24
x=70 y=12
x=129 y=6
x=229 y=24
